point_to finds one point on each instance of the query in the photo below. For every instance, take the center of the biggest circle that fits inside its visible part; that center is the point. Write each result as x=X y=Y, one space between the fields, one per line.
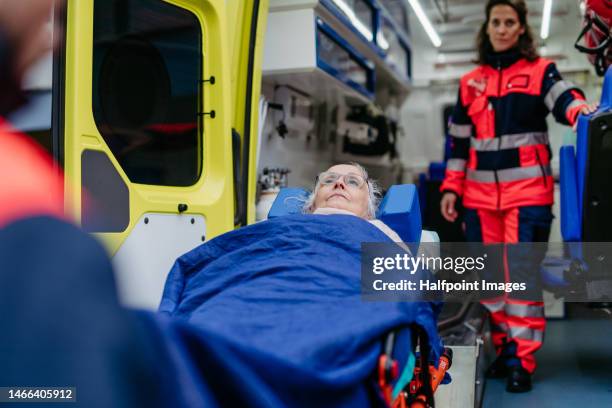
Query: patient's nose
x=340 y=183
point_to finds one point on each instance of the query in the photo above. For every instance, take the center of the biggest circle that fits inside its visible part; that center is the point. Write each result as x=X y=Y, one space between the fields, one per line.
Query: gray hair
x=373 y=193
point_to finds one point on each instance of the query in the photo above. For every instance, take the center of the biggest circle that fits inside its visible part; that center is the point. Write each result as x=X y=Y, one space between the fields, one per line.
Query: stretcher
x=404 y=380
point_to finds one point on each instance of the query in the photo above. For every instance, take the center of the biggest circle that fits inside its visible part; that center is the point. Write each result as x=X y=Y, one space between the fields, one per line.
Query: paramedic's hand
x=585 y=109
x=25 y=24
x=447 y=207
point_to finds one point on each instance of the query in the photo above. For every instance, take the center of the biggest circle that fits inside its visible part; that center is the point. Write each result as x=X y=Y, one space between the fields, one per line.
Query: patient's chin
x=340 y=203
x=341 y=206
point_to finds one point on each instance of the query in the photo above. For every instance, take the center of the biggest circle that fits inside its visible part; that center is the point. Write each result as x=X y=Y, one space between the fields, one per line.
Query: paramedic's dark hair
x=526 y=42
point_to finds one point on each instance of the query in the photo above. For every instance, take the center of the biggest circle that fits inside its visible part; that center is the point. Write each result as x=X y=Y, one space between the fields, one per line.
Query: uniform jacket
x=500 y=154
x=30 y=185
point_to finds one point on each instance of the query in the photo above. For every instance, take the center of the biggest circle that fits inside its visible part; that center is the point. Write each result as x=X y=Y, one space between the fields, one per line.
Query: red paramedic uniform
x=500 y=166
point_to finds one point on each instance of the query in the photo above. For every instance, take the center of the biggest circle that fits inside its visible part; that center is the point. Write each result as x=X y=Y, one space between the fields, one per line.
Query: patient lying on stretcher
x=285 y=295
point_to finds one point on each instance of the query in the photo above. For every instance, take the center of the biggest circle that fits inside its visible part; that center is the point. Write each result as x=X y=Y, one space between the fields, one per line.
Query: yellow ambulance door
x=147 y=142
x=247 y=38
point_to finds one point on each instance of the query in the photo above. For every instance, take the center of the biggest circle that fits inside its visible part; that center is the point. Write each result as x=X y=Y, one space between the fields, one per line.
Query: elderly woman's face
x=343 y=187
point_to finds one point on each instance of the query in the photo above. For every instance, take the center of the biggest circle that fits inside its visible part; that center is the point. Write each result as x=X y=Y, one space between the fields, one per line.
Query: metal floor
x=574 y=367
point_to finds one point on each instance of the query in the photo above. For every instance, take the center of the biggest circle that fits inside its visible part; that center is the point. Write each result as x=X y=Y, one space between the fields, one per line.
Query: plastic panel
x=570 y=214
x=400 y=210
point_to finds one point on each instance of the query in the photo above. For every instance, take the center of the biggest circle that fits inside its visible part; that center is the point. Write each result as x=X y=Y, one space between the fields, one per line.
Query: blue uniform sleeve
x=561 y=97
x=461 y=129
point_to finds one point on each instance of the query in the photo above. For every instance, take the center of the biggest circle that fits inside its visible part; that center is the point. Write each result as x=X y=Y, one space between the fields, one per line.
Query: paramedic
x=30 y=185
x=500 y=166
x=60 y=324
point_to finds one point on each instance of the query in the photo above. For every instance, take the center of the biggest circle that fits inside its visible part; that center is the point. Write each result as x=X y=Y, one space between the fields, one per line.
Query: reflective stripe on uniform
x=555 y=92
x=494 y=307
x=526 y=333
x=460 y=131
x=512 y=174
x=456 y=164
x=525 y=310
x=509 y=141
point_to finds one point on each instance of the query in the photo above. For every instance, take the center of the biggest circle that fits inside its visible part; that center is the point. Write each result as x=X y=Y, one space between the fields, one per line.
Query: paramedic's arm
x=563 y=98
x=23 y=24
x=24 y=38
x=460 y=131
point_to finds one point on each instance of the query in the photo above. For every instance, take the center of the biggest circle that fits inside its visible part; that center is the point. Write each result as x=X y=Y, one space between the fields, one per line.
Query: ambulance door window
x=147 y=59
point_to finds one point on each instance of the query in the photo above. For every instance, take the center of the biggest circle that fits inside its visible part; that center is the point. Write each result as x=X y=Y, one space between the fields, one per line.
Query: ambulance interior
x=318 y=130
x=339 y=85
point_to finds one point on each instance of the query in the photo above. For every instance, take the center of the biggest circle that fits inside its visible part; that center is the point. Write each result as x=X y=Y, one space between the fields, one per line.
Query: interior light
x=431 y=32
x=348 y=11
x=545 y=31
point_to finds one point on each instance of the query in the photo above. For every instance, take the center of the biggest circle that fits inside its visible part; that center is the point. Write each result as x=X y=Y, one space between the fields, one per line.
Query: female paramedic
x=500 y=166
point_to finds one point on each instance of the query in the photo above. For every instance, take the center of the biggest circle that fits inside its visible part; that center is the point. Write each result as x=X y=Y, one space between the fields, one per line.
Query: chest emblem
x=518 y=81
x=477 y=86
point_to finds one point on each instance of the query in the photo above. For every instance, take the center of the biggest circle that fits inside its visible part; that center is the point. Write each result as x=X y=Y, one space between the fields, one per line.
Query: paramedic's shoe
x=498 y=369
x=519 y=380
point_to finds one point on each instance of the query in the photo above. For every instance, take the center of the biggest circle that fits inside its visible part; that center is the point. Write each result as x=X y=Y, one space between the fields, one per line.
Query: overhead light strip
x=431 y=32
x=545 y=31
x=348 y=11
x=381 y=40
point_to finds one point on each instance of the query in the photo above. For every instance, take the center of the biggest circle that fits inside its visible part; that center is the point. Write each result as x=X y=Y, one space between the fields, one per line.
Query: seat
x=586 y=199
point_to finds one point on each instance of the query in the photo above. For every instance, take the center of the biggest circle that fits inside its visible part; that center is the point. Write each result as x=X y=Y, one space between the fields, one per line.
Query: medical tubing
x=406 y=376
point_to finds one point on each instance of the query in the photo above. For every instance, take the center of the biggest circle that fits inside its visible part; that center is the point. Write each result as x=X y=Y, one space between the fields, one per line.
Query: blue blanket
x=283 y=299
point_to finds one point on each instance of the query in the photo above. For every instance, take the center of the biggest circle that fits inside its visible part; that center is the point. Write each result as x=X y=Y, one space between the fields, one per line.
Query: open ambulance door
x=246 y=34
x=142 y=124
